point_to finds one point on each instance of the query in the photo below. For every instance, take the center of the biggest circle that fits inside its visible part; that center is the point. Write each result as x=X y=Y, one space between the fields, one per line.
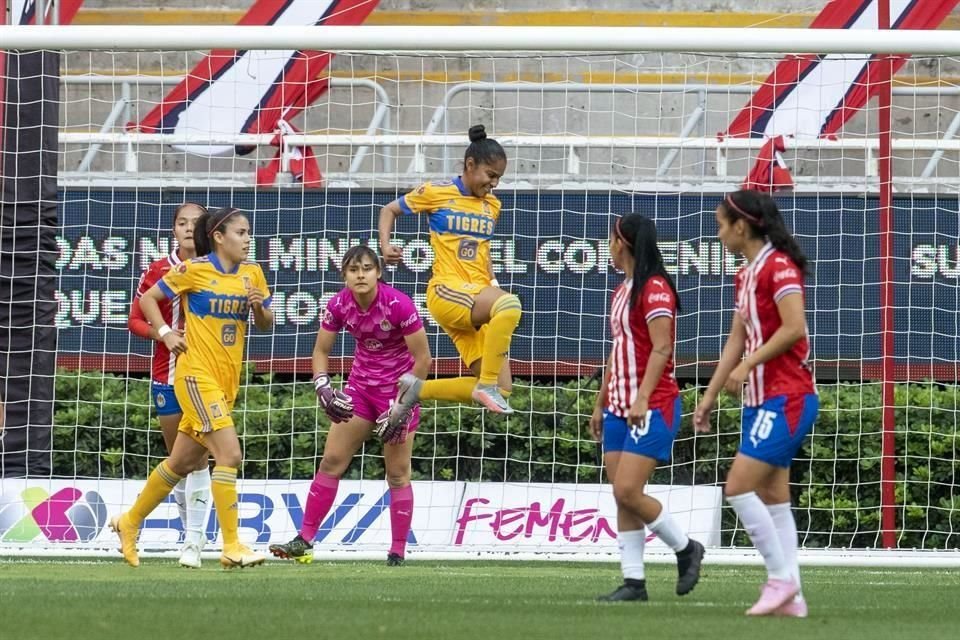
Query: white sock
x=180 y=497
x=667 y=530
x=782 y=516
x=631 y=553
x=759 y=525
x=198 y=505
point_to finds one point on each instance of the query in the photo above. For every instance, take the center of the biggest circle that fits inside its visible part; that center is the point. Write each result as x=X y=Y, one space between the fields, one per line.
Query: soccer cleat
x=796 y=608
x=688 y=567
x=394 y=560
x=489 y=396
x=298 y=550
x=190 y=556
x=408 y=394
x=773 y=595
x=240 y=557
x=128 y=538
x=626 y=592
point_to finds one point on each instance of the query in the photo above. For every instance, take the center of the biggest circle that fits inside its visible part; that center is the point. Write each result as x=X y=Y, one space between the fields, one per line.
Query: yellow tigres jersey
x=461 y=226
x=217 y=313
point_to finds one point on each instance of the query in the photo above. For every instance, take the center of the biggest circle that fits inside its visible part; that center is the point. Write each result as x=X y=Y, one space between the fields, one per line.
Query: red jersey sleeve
x=136 y=322
x=657 y=299
x=785 y=278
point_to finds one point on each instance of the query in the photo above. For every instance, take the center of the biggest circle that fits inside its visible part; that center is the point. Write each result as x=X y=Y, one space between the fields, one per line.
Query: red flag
x=235 y=92
x=770 y=173
x=812 y=95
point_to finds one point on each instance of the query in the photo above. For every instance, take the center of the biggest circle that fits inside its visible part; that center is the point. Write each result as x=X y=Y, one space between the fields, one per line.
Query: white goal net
x=590 y=136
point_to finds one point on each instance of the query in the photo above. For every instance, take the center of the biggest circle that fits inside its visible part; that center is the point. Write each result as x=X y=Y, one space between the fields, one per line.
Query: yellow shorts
x=205 y=407
x=450 y=303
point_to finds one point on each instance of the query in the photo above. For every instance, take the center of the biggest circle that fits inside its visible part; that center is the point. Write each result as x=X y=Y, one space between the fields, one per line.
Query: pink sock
x=323 y=491
x=401 y=513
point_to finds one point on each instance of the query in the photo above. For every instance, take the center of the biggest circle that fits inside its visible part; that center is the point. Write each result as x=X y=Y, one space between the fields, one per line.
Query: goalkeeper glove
x=337 y=405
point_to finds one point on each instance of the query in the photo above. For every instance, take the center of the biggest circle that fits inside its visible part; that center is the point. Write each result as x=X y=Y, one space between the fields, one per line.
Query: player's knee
x=333 y=465
x=229 y=457
x=625 y=494
x=180 y=465
x=398 y=477
x=202 y=462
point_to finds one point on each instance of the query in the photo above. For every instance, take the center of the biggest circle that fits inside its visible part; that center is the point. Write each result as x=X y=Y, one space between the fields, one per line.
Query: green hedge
x=104 y=428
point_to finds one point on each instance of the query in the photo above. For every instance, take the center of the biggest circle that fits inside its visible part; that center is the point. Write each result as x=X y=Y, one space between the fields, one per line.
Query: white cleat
x=190 y=556
x=490 y=397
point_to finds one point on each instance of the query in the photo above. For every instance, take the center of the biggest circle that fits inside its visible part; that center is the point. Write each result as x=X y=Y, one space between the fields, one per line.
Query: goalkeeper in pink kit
x=390 y=342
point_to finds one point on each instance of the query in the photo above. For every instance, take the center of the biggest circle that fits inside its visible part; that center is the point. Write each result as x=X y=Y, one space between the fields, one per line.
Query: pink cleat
x=774 y=594
x=796 y=608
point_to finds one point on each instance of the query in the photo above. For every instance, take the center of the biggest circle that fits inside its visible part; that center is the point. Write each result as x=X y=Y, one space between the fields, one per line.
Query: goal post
x=596 y=123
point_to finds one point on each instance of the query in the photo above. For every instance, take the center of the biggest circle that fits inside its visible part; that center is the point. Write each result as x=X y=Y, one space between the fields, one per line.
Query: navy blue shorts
x=654 y=439
x=774 y=431
x=164 y=399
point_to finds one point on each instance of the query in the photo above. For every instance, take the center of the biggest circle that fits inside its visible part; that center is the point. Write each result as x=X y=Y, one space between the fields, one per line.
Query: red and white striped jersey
x=759 y=286
x=632 y=345
x=164 y=362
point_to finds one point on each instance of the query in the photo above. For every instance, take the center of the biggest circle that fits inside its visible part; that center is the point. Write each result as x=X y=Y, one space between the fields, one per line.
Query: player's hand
x=738 y=378
x=596 y=424
x=392 y=254
x=255 y=297
x=336 y=404
x=637 y=414
x=175 y=342
x=701 y=415
x=396 y=433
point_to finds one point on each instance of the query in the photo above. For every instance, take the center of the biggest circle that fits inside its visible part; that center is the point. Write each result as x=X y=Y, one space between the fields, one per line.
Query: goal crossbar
x=473 y=38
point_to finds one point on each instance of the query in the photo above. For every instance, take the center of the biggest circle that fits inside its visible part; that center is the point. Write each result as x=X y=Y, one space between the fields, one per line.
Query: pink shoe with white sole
x=774 y=594
x=796 y=608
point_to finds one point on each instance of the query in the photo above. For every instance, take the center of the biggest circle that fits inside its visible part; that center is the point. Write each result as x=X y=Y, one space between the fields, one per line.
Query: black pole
x=29 y=121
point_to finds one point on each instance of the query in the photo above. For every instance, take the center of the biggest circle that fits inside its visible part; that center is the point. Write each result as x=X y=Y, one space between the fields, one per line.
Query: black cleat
x=633 y=590
x=297 y=549
x=394 y=560
x=688 y=567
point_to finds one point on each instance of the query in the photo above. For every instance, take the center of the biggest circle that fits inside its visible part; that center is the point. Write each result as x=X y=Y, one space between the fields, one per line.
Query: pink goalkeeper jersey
x=381 y=356
x=759 y=286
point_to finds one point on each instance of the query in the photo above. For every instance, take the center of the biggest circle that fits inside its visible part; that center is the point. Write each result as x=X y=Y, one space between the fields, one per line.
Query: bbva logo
x=69 y=515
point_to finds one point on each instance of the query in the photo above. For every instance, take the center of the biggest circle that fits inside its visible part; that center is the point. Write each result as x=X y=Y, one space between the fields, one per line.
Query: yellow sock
x=223 y=486
x=159 y=485
x=450 y=389
x=504 y=318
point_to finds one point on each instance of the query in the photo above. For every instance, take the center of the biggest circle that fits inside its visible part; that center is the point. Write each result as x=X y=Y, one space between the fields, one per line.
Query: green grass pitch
x=495 y=600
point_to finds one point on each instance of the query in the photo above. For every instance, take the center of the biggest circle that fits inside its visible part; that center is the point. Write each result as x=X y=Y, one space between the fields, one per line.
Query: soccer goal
x=596 y=123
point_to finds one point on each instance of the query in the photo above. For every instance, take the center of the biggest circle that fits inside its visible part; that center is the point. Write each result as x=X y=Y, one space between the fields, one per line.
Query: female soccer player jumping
x=463 y=296
x=192 y=494
x=638 y=408
x=767 y=351
x=390 y=341
x=219 y=290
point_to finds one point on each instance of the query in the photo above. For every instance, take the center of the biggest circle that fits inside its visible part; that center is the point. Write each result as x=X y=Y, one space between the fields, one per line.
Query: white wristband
x=164 y=330
x=494 y=283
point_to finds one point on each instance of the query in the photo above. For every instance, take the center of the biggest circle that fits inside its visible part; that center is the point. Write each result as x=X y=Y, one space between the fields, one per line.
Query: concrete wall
x=416 y=85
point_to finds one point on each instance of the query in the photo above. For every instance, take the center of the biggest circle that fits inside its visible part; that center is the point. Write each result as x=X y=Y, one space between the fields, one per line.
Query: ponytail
x=208 y=223
x=639 y=233
x=762 y=215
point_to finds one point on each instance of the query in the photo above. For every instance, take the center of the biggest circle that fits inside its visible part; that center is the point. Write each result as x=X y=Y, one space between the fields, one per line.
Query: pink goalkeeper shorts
x=370 y=402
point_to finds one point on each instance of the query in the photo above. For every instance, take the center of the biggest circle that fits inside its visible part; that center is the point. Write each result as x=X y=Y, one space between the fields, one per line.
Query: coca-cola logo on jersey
x=658 y=297
x=783 y=275
x=409 y=321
